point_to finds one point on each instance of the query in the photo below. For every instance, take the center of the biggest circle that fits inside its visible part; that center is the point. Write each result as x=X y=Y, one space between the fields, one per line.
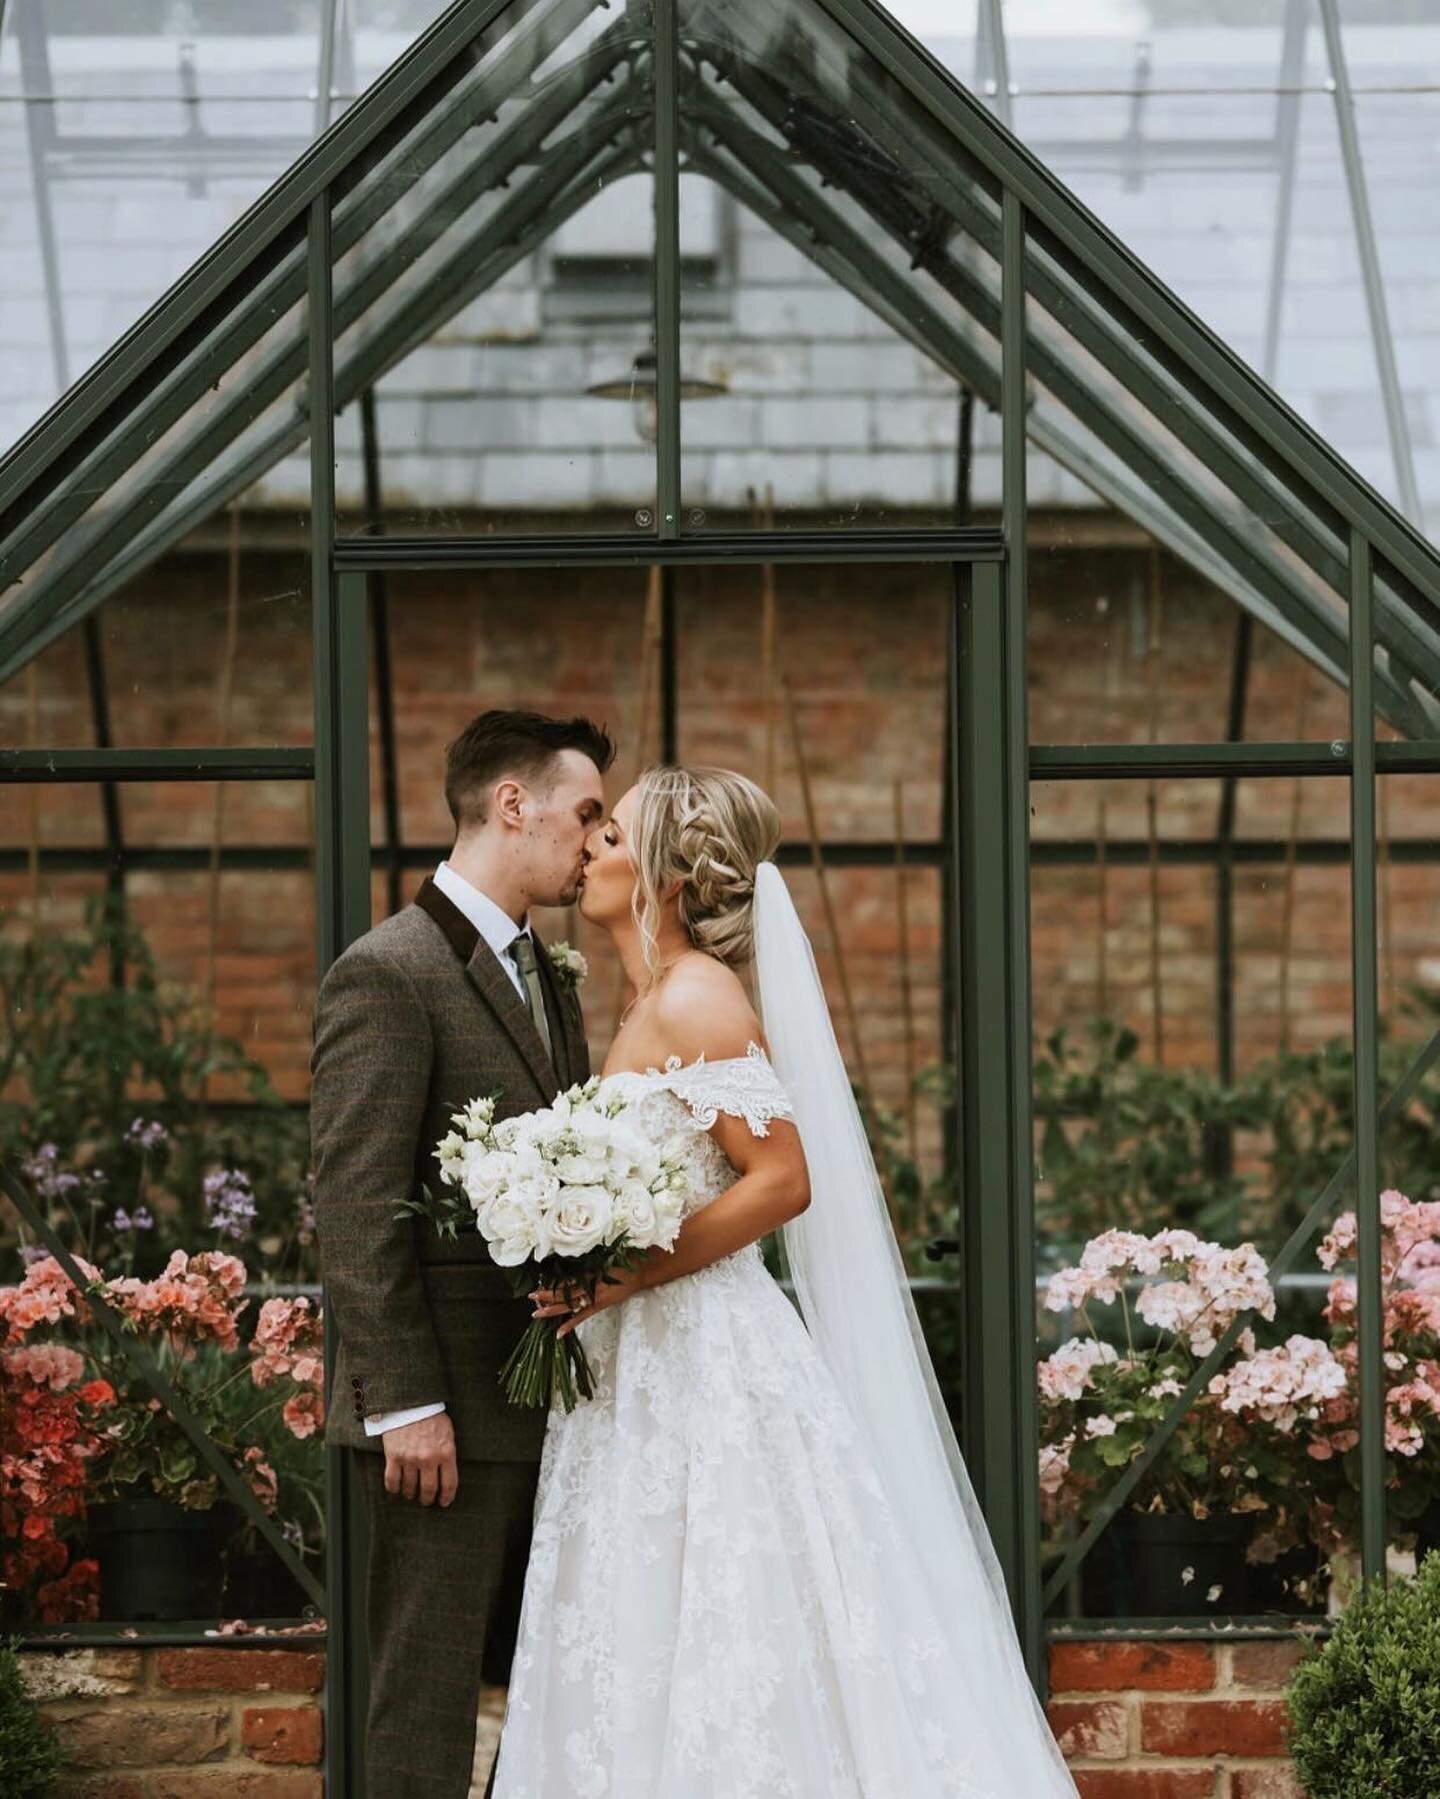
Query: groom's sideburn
x=415 y=1018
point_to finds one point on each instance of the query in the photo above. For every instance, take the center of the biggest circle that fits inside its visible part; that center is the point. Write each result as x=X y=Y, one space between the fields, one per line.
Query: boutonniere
x=569 y=965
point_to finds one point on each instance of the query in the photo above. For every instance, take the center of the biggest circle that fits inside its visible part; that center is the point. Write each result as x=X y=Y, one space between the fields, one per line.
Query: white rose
x=635 y=1209
x=582 y=1219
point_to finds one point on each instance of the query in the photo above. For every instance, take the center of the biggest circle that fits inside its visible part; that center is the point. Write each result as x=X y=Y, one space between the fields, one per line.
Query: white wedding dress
x=722 y=1601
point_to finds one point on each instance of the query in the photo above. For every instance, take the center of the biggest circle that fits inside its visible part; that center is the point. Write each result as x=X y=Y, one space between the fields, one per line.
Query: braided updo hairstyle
x=707 y=829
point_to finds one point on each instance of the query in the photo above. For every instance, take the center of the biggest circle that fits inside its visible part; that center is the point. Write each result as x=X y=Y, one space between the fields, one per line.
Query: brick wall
x=1136 y=1720
x=864 y=648
x=1154 y=1720
x=240 y=1723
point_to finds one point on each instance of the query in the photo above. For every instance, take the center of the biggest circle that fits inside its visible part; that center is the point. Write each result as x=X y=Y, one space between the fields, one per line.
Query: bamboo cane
x=1387 y=868
x=1152 y=652
x=32 y=738
x=1287 y=898
x=649 y=664
x=907 y=1002
x=224 y=698
x=832 y=925
x=768 y=652
x=1102 y=881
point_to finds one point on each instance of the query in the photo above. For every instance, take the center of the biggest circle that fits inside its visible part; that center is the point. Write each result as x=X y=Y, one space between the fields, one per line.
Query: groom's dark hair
x=523 y=744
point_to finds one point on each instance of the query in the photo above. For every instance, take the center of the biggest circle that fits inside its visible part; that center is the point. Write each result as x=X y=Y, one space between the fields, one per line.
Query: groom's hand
x=420 y=1460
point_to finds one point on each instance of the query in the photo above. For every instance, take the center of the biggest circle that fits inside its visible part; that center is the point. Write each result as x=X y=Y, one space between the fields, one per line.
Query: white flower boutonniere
x=568 y=963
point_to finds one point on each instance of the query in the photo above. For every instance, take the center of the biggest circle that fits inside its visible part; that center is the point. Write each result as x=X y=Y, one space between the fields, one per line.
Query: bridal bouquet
x=563 y=1197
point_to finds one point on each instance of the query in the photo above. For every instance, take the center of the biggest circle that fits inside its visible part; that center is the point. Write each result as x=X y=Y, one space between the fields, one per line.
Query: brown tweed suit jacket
x=416 y=1017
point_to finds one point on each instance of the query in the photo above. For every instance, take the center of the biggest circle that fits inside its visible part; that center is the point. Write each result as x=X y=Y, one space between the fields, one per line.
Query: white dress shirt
x=499 y=930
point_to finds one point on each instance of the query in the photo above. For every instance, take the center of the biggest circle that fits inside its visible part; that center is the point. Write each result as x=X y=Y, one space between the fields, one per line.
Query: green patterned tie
x=523 y=950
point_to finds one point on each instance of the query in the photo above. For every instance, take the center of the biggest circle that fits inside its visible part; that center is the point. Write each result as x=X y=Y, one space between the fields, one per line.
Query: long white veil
x=855 y=1300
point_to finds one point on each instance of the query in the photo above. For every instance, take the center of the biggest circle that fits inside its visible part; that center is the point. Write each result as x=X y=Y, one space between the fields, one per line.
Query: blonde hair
x=707 y=829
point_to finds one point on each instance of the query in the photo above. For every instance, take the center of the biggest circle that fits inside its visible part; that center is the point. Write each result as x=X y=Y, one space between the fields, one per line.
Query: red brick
x=238 y=1783
x=1145 y=1783
x=1213 y=1727
x=242 y=1670
x=106 y=1786
x=1277 y=1782
x=114 y=1735
x=1265 y=1664
x=1096 y=1729
x=1119 y=1667
x=283 y=1733
x=82 y=1673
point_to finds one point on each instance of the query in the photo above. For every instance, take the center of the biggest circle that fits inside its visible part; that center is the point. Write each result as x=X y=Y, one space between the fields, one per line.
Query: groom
x=451 y=998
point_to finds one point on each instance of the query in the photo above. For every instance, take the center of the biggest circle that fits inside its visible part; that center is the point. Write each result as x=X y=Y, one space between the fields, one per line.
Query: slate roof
x=826 y=404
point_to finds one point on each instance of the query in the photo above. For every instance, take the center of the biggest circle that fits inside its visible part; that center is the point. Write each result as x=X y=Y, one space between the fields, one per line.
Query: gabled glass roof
x=819 y=119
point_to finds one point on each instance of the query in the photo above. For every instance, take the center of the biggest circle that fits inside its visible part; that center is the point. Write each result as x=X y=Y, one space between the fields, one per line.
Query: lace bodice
x=683 y=1101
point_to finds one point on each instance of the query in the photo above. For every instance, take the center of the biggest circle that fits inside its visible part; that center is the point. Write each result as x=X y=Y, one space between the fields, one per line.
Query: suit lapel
x=491 y=982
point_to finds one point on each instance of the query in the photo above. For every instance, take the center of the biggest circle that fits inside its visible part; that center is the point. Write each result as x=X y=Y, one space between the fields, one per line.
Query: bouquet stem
x=544 y=1367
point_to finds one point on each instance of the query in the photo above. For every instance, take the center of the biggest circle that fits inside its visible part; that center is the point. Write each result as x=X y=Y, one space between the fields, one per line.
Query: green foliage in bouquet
x=127 y=1180
x=30 y=1755
x=1365 y=1708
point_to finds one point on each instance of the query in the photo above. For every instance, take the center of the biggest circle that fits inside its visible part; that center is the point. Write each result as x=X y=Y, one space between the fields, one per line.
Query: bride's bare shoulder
x=702 y=1009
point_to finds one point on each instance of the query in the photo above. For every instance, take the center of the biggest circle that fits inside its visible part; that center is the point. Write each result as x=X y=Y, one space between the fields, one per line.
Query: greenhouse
x=1012 y=442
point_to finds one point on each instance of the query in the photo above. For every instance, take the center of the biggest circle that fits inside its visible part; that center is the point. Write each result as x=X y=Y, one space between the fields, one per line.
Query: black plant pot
x=259 y=1585
x=1159 y=1565
x=158 y=1560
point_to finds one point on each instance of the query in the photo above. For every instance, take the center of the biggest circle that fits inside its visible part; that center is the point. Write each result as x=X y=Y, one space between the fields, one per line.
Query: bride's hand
x=572 y=1305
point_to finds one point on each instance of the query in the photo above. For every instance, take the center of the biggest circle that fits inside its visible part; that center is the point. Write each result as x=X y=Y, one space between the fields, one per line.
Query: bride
x=758 y=1569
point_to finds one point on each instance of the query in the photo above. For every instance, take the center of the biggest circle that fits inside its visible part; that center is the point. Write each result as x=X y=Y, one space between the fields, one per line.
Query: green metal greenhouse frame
x=842 y=133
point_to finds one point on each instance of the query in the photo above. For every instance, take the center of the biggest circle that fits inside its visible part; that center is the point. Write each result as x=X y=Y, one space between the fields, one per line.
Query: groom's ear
x=507 y=801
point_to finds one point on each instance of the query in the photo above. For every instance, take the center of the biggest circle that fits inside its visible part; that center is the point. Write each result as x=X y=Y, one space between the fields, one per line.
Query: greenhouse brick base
x=1137 y=1720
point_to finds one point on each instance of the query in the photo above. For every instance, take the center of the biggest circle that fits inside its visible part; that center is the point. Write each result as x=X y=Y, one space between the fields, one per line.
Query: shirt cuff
x=379 y=1422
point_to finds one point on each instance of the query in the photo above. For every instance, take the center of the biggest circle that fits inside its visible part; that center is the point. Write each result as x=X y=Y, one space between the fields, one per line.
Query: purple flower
x=50 y=1179
x=147 y=1133
x=140 y=1221
x=229 y=1202
x=31 y=1253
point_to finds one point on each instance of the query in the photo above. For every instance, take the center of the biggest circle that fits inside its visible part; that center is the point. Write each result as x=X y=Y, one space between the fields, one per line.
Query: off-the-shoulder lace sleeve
x=742 y=1086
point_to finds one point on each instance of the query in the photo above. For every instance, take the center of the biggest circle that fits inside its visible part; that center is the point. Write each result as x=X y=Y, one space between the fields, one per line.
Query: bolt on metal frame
x=1392 y=595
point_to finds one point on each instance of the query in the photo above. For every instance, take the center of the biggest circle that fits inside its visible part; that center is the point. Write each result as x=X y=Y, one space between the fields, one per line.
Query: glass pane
x=461 y=644
x=1399 y=130
x=209 y=645
x=1134 y=642
x=1193 y=1074
x=226 y=424
x=152 y=1099
x=851 y=291
x=861 y=653
x=133 y=138
x=494 y=289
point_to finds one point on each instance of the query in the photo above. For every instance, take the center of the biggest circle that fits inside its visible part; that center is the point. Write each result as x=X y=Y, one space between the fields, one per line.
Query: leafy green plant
x=107 y=1106
x=31 y=1758
x=1127 y=1146
x=1365 y=1707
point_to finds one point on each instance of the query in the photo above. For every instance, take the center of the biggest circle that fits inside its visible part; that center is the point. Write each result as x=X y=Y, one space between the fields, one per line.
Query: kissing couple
x=752 y=1565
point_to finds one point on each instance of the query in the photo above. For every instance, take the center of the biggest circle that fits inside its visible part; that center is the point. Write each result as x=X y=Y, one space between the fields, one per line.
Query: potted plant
x=30 y=1755
x=1365 y=1706
x=156 y=1518
x=126 y=1181
x=1410 y=1328
x=1205 y=1527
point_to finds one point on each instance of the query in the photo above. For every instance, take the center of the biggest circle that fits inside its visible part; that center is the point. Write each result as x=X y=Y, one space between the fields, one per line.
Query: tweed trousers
x=442 y=1605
